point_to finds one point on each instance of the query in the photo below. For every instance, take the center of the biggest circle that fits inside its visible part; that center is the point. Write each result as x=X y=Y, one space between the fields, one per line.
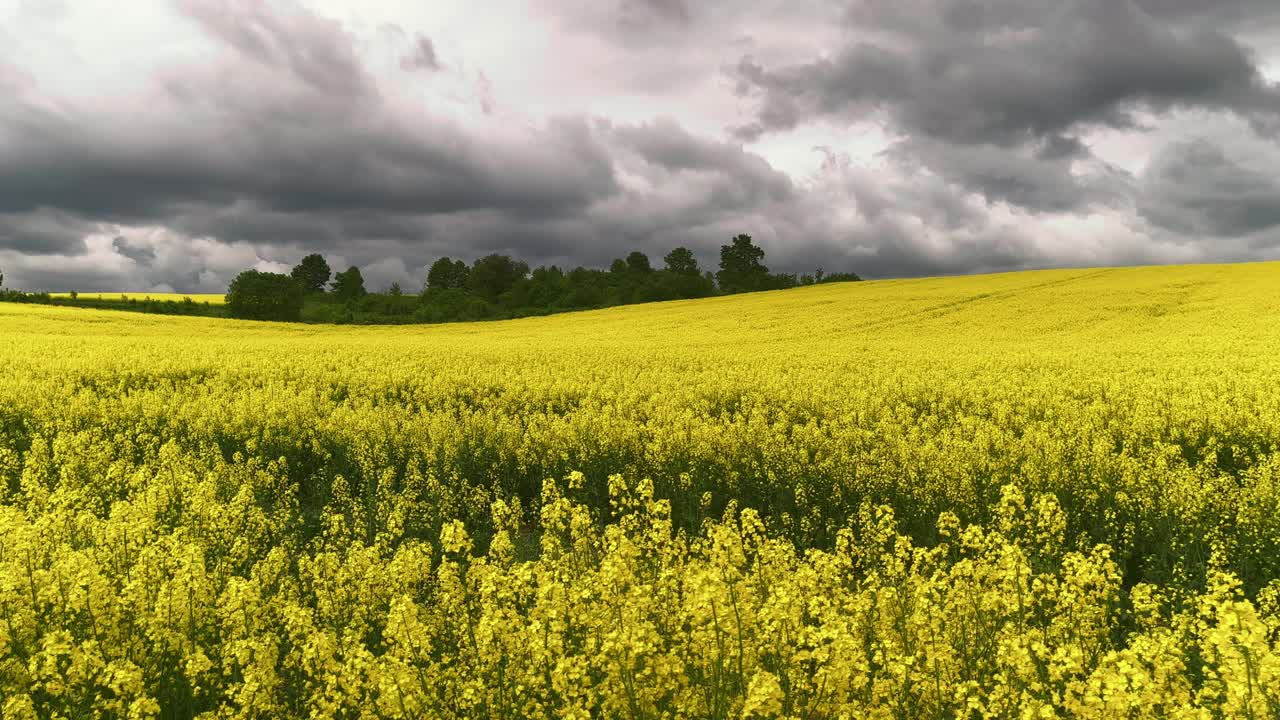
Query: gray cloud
x=286 y=158
x=1056 y=175
x=314 y=49
x=1196 y=189
x=289 y=137
x=284 y=140
x=422 y=56
x=1233 y=13
x=995 y=94
x=1005 y=72
x=645 y=10
x=139 y=253
x=43 y=231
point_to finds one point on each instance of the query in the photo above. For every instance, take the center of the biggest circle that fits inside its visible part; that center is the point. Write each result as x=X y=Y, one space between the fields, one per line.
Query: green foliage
x=312 y=273
x=256 y=295
x=682 y=262
x=638 y=262
x=144 y=304
x=453 y=305
x=498 y=286
x=493 y=275
x=740 y=267
x=446 y=274
x=349 y=284
x=840 y=277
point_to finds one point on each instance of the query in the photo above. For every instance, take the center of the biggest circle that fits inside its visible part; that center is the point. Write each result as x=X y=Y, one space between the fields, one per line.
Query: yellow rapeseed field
x=212 y=299
x=1034 y=495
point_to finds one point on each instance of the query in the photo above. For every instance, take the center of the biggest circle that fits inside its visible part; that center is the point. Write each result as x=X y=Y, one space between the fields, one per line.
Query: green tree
x=841 y=277
x=638 y=262
x=682 y=262
x=312 y=273
x=740 y=266
x=618 y=267
x=495 y=274
x=446 y=274
x=349 y=284
x=256 y=295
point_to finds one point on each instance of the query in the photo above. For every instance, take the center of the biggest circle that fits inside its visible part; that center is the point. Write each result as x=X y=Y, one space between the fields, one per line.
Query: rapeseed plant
x=1011 y=496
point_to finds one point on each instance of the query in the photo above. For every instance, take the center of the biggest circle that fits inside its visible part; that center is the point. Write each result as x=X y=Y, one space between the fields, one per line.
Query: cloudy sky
x=169 y=144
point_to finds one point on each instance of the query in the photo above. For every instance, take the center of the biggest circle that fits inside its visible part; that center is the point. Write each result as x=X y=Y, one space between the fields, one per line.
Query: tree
x=312 y=273
x=841 y=277
x=394 y=290
x=740 y=266
x=349 y=284
x=446 y=274
x=638 y=262
x=1 y=278
x=585 y=288
x=545 y=289
x=256 y=295
x=682 y=262
x=618 y=267
x=495 y=274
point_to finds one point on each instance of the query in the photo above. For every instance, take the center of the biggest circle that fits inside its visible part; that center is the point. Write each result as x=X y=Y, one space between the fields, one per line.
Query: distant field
x=1028 y=495
x=212 y=299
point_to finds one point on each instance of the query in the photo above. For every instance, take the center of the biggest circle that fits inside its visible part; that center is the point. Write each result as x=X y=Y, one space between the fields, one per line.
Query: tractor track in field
x=947 y=308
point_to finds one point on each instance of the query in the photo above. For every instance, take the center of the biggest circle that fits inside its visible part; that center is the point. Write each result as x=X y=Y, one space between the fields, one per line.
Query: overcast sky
x=167 y=145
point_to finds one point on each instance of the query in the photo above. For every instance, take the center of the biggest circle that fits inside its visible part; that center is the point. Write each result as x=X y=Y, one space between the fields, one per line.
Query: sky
x=167 y=145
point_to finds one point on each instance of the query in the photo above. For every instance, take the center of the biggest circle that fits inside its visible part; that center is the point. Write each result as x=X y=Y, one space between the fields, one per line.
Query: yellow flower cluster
x=1033 y=495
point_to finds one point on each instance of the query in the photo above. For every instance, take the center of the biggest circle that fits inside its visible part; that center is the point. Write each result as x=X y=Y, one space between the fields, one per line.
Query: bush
x=256 y=295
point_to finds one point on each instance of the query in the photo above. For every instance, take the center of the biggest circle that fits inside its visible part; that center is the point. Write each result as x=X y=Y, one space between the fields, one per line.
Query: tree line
x=499 y=286
x=492 y=287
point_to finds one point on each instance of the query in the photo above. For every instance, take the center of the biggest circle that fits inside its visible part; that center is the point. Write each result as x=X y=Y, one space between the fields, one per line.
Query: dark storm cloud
x=43 y=231
x=664 y=144
x=304 y=137
x=286 y=139
x=306 y=156
x=136 y=252
x=286 y=142
x=275 y=159
x=994 y=94
x=63 y=279
x=1194 y=188
x=1234 y=13
x=1005 y=72
x=261 y=161
x=1052 y=176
